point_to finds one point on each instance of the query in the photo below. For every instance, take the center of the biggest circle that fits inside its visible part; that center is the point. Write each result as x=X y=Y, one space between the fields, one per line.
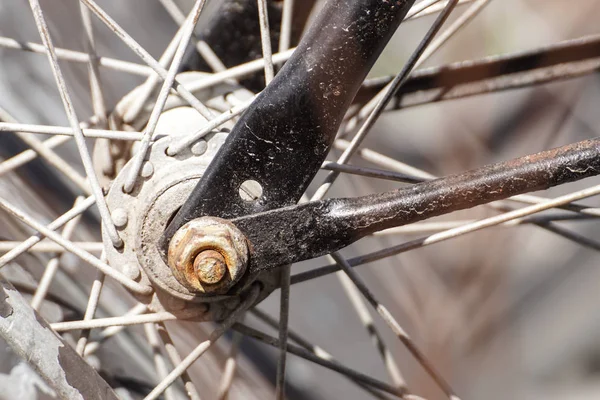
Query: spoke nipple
x=199 y=148
x=210 y=266
x=147 y=169
x=119 y=217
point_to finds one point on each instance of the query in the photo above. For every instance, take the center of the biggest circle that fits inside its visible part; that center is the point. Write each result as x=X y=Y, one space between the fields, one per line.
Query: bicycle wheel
x=458 y=299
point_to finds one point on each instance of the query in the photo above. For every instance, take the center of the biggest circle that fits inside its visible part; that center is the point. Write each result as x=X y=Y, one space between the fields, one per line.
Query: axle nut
x=208 y=255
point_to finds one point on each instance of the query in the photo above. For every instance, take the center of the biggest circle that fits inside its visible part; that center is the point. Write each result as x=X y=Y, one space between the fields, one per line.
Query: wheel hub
x=142 y=215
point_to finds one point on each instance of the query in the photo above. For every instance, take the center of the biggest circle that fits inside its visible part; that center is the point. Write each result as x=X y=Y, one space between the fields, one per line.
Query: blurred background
x=503 y=313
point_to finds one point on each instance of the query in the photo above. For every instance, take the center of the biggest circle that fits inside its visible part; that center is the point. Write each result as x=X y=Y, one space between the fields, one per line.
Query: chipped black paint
x=282 y=139
x=310 y=230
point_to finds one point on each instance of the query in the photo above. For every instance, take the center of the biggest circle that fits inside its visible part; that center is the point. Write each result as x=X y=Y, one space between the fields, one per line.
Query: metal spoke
x=25 y=156
x=47 y=247
x=90 y=310
x=59 y=130
x=122 y=321
x=50 y=156
x=109 y=332
x=160 y=362
x=314 y=349
x=204 y=346
x=186 y=141
x=40 y=22
x=239 y=71
x=452 y=233
x=419 y=7
x=230 y=367
x=460 y=22
x=365 y=318
x=382 y=100
x=186 y=33
x=201 y=46
x=77 y=56
x=435 y=8
x=386 y=96
x=395 y=326
x=147 y=58
x=320 y=359
x=96 y=91
x=370 y=172
x=265 y=39
x=69 y=246
x=22 y=247
x=285 y=36
x=284 y=310
x=175 y=359
x=149 y=86
x=53 y=264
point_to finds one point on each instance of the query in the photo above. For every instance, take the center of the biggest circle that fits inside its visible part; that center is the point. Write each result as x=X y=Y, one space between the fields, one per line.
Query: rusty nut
x=208 y=255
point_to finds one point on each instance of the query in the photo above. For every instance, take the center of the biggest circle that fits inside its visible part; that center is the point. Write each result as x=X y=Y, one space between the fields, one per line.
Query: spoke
x=452 y=233
x=460 y=22
x=230 y=367
x=365 y=318
x=265 y=39
x=109 y=332
x=175 y=359
x=90 y=310
x=185 y=142
x=285 y=35
x=96 y=91
x=320 y=359
x=40 y=22
x=147 y=58
x=435 y=8
x=59 y=130
x=47 y=247
x=123 y=321
x=380 y=101
x=370 y=172
x=148 y=87
x=76 y=56
x=284 y=311
x=314 y=349
x=204 y=346
x=21 y=247
x=69 y=246
x=395 y=326
x=53 y=264
x=25 y=156
x=239 y=71
x=387 y=94
x=50 y=156
x=419 y=7
x=160 y=362
x=55 y=161
x=351 y=291
x=201 y=46
x=186 y=33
